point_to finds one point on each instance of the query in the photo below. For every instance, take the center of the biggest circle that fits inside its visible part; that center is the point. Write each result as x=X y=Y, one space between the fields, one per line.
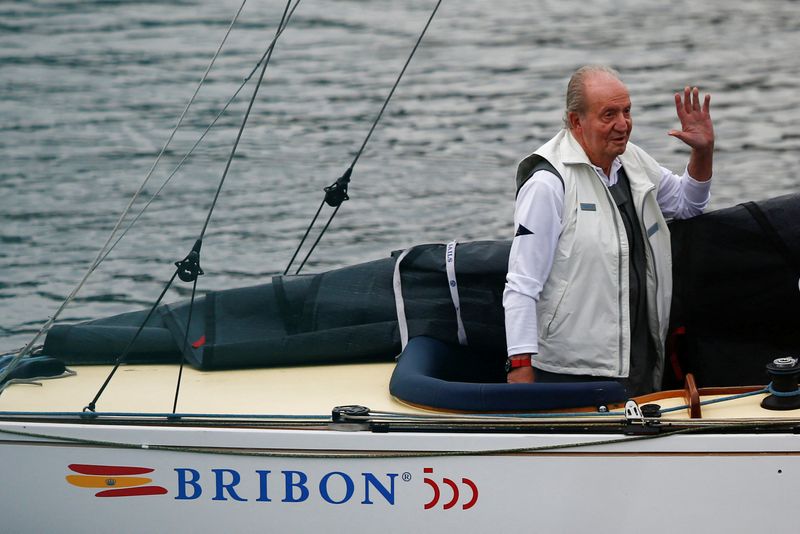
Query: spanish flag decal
x=114 y=480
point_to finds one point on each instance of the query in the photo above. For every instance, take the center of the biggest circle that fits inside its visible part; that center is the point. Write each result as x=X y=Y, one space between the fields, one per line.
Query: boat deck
x=312 y=390
x=151 y=389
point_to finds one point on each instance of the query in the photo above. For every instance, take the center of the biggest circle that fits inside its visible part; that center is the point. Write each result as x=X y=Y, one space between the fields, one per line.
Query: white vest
x=583 y=310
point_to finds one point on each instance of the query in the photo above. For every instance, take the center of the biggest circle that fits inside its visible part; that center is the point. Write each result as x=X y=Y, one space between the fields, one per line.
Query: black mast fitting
x=189 y=267
x=336 y=193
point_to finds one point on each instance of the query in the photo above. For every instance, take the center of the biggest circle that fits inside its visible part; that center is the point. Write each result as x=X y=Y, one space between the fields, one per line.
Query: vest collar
x=639 y=181
x=572 y=153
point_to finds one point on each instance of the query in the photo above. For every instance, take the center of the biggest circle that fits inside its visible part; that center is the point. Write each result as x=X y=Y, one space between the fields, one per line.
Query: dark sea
x=90 y=91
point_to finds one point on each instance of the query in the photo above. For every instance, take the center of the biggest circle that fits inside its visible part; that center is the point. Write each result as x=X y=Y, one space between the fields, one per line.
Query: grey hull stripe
x=450 y=265
x=402 y=324
x=652 y=230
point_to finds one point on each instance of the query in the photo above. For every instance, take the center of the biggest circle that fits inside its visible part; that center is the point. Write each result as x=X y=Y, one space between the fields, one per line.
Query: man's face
x=604 y=128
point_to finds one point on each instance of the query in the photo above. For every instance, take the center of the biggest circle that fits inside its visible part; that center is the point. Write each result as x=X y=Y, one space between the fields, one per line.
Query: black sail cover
x=737 y=290
x=345 y=315
x=736 y=293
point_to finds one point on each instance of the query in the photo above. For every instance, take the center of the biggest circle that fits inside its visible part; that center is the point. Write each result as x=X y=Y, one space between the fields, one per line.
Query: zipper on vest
x=647 y=237
x=620 y=304
x=657 y=340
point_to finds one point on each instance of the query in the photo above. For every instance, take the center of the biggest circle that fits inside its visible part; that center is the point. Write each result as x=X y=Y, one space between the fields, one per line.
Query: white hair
x=576 y=88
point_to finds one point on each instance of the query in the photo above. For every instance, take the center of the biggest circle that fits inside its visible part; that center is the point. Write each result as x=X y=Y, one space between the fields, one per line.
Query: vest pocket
x=555 y=320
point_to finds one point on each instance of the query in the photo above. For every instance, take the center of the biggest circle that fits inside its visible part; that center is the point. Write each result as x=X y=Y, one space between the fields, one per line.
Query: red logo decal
x=114 y=480
x=454 y=488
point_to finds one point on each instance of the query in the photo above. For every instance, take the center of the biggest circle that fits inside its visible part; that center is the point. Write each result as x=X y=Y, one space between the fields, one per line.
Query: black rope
x=308 y=230
x=319 y=237
x=244 y=120
x=185 y=346
x=197 y=142
x=101 y=255
x=93 y=404
x=336 y=193
x=188 y=269
x=278 y=32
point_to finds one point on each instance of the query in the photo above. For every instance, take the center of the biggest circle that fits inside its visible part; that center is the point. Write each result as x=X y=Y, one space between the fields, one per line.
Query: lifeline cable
x=102 y=253
x=189 y=268
x=396 y=454
x=336 y=193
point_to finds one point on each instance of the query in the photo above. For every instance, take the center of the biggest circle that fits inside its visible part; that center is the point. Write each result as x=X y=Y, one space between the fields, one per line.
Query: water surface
x=89 y=92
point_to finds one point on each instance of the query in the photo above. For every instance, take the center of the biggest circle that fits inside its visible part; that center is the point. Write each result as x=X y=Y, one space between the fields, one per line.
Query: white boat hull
x=313 y=480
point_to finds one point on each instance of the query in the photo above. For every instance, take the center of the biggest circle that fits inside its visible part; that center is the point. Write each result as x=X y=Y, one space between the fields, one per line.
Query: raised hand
x=697 y=131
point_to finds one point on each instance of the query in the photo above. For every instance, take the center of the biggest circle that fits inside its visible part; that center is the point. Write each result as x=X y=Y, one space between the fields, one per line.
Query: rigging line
x=345 y=179
x=174 y=171
x=189 y=269
x=183 y=349
x=396 y=83
x=101 y=254
x=174 y=131
x=93 y=404
x=192 y=149
x=319 y=237
x=281 y=27
x=303 y=240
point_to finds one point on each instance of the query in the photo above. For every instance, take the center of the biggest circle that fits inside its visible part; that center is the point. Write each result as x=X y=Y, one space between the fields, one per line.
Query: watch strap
x=517 y=361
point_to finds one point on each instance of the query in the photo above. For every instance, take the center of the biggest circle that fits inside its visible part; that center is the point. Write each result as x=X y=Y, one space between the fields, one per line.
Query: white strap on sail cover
x=398 y=299
x=450 y=264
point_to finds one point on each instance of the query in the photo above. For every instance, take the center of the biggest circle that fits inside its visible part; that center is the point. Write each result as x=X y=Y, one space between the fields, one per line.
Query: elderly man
x=589 y=280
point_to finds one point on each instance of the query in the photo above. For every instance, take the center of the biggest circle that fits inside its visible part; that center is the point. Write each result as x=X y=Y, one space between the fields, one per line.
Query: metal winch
x=784 y=390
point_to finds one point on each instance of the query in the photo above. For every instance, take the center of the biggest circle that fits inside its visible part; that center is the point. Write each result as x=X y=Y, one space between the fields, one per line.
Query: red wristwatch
x=513 y=363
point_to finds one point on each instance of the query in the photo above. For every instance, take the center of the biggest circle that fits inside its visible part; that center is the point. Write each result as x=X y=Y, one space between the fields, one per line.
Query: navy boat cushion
x=433 y=374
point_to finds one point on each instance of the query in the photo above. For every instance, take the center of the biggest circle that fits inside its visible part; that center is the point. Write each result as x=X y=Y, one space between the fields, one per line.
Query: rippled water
x=89 y=92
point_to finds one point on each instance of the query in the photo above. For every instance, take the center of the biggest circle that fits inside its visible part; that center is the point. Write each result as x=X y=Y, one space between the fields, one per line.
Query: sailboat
x=371 y=397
